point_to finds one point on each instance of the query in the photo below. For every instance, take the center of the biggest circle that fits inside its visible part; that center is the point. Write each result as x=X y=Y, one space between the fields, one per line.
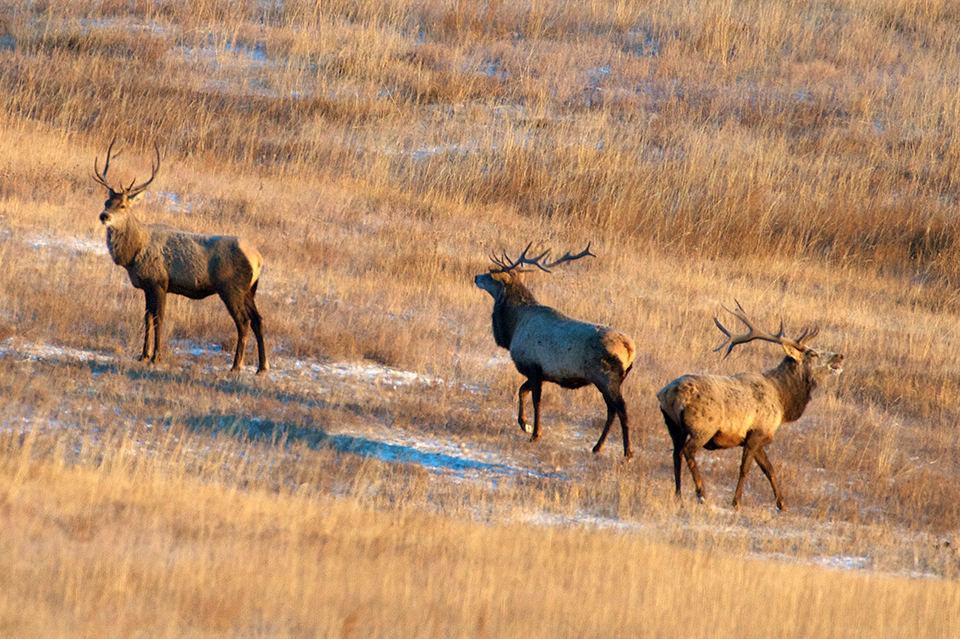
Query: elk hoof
x=628 y=454
x=534 y=437
x=782 y=506
x=525 y=427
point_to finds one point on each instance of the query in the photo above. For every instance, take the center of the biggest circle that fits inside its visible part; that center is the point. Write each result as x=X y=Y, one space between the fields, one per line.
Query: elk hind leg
x=616 y=408
x=537 y=392
x=679 y=438
x=238 y=308
x=256 y=323
x=689 y=450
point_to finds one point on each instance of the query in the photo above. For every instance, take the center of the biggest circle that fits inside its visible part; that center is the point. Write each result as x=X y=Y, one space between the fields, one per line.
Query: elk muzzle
x=835 y=364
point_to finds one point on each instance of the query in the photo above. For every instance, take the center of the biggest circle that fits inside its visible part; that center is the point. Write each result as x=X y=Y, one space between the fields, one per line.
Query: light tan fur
x=714 y=412
x=253 y=257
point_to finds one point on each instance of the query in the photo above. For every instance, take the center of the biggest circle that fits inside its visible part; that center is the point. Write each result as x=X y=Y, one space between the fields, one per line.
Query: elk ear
x=792 y=351
x=135 y=197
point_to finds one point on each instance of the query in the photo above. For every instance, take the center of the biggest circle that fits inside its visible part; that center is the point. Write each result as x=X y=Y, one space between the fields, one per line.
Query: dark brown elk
x=161 y=259
x=713 y=412
x=548 y=346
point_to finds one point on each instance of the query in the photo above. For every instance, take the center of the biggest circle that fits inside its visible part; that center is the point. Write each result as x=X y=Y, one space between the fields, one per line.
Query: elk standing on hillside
x=548 y=346
x=161 y=259
x=709 y=411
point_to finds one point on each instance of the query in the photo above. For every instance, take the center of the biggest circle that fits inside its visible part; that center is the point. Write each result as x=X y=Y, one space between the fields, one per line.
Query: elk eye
x=814 y=354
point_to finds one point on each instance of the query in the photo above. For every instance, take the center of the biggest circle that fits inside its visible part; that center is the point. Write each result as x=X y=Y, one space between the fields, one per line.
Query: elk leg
x=242 y=323
x=237 y=305
x=152 y=321
x=677 y=452
x=764 y=462
x=537 y=390
x=679 y=438
x=147 y=325
x=621 y=407
x=689 y=450
x=611 y=413
x=256 y=323
x=748 y=454
x=161 y=297
x=616 y=407
x=525 y=388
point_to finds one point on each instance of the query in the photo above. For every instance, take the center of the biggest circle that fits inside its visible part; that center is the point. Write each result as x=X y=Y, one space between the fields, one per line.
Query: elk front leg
x=748 y=454
x=764 y=462
x=160 y=300
x=147 y=327
x=525 y=389
x=151 y=322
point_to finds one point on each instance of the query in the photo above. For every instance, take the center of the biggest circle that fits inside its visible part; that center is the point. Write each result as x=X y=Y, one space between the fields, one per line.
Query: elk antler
x=505 y=264
x=101 y=178
x=754 y=333
x=133 y=189
x=569 y=258
x=154 y=168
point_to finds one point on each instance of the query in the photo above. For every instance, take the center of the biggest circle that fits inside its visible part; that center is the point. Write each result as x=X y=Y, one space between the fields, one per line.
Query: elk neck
x=125 y=240
x=795 y=384
x=507 y=310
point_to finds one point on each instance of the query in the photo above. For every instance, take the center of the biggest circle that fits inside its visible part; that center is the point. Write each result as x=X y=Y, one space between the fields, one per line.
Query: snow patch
x=72 y=245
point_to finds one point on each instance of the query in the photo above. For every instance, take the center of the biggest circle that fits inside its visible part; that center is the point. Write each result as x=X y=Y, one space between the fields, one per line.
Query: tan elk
x=548 y=346
x=713 y=412
x=161 y=259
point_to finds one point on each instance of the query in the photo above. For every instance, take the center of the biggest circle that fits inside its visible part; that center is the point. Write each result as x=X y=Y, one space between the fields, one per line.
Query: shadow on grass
x=285 y=434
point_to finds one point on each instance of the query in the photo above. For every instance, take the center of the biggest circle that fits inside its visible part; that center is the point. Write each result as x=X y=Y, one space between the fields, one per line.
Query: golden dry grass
x=795 y=156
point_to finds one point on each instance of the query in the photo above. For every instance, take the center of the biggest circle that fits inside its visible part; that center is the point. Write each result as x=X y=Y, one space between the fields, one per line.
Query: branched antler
x=569 y=258
x=101 y=178
x=133 y=189
x=504 y=264
x=755 y=333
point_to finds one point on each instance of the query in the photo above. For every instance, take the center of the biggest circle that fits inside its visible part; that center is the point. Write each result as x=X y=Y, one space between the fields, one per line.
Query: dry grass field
x=796 y=156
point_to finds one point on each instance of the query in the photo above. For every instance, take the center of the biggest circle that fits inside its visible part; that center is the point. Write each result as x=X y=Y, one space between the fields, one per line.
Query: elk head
x=117 y=206
x=506 y=273
x=818 y=363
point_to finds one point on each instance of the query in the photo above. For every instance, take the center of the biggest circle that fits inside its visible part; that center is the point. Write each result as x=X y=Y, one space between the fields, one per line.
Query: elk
x=161 y=259
x=714 y=412
x=547 y=346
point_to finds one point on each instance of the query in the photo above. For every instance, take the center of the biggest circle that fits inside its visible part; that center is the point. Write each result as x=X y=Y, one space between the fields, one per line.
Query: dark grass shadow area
x=283 y=434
